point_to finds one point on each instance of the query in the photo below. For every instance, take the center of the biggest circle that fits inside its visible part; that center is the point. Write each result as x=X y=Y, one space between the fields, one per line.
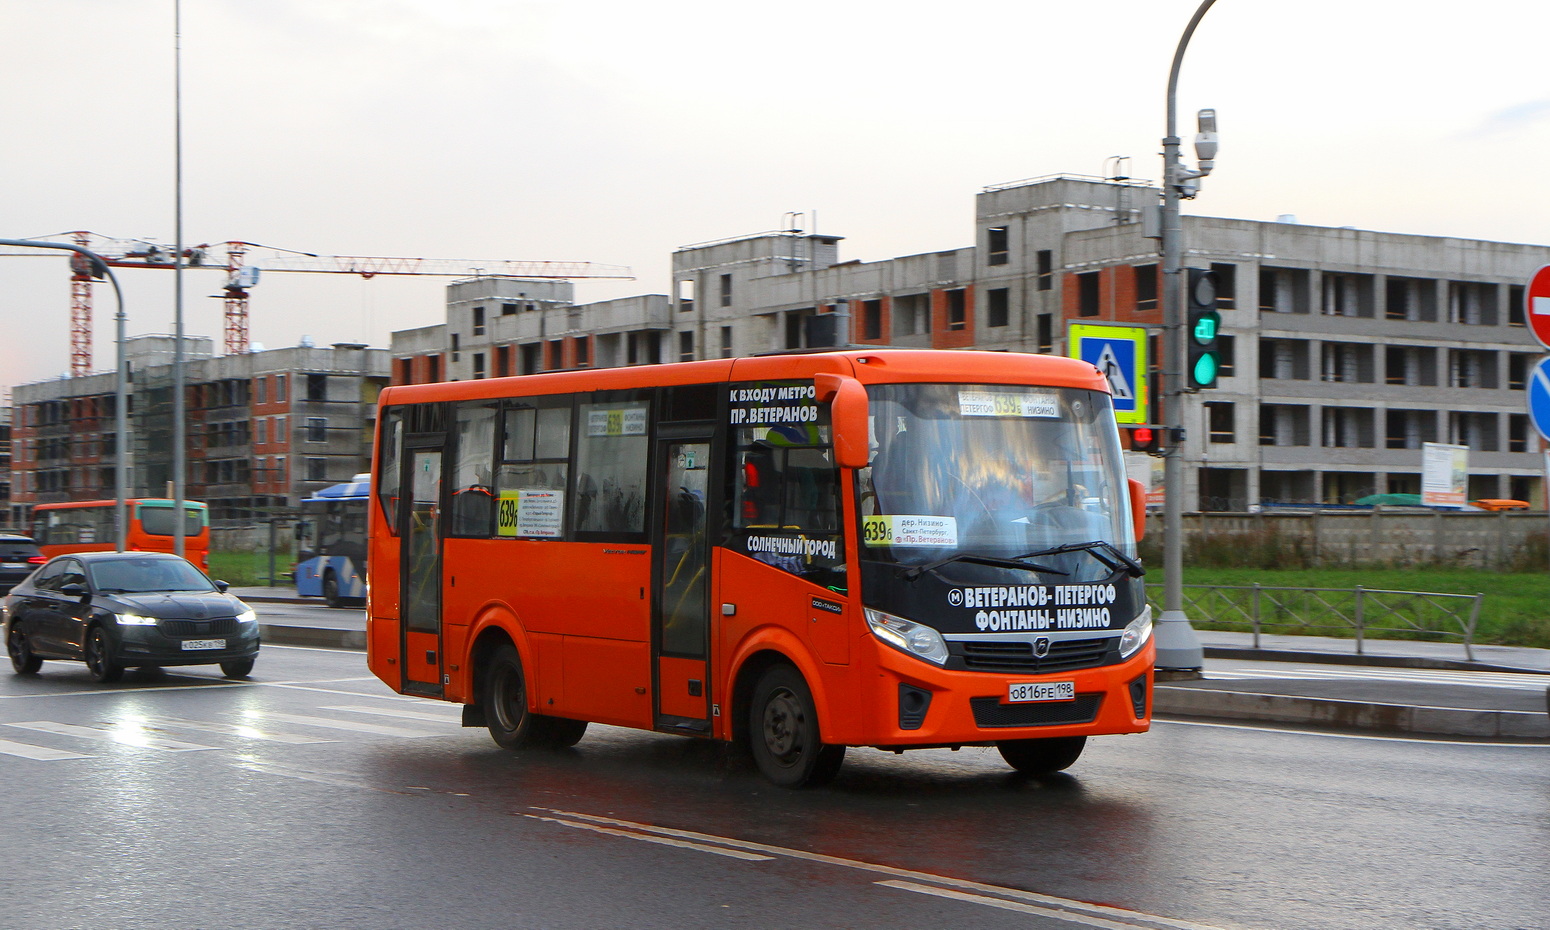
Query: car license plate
x=189 y=644
x=15 y=564
x=1041 y=691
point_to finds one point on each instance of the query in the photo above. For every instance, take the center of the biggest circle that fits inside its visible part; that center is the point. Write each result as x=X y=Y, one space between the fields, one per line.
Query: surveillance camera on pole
x=1185 y=180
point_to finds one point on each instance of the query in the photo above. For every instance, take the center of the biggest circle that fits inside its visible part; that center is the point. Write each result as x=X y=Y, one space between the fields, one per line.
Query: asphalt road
x=312 y=796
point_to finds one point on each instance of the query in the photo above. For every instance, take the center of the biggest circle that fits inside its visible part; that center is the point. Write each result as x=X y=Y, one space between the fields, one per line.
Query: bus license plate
x=1041 y=691
x=189 y=644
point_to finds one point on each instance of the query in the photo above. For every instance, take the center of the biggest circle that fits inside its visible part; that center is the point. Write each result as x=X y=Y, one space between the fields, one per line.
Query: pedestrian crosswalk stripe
x=128 y=736
x=40 y=753
x=248 y=731
x=349 y=725
x=393 y=712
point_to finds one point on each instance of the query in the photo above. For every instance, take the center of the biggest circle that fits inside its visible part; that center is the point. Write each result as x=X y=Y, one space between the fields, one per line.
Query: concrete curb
x=1378 y=661
x=1356 y=715
x=311 y=636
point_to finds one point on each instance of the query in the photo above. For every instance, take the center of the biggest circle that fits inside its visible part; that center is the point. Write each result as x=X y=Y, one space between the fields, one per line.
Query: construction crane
x=245 y=260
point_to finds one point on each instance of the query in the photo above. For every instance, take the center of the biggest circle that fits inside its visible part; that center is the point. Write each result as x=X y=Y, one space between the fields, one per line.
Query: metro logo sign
x=1536 y=305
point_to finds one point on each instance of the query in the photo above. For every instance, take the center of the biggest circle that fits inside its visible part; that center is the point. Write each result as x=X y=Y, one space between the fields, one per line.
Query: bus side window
x=473 y=501
x=387 y=466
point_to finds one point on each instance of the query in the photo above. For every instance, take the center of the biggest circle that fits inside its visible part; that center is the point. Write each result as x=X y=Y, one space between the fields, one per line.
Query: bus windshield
x=994 y=472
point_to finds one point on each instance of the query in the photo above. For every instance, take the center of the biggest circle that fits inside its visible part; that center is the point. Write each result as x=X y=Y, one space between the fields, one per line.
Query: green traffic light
x=1204 y=373
x=1205 y=328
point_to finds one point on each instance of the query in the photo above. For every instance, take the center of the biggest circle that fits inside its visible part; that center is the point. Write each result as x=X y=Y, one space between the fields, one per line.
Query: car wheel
x=331 y=591
x=22 y=659
x=99 y=657
x=237 y=668
x=1042 y=756
x=783 y=730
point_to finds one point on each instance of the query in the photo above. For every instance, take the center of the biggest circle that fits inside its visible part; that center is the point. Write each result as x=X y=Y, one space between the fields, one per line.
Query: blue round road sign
x=1539 y=397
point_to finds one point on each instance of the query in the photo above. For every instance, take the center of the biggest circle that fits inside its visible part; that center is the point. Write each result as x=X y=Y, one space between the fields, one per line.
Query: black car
x=19 y=557
x=114 y=610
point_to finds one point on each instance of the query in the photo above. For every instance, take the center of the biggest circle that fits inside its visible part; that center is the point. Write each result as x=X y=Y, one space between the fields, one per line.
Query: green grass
x=246 y=569
x=1516 y=610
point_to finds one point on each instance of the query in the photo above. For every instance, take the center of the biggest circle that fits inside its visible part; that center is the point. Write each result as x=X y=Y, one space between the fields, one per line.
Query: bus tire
x=1042 y=756
x=503 y=695
x=560 y=732
x=331 y=590
x=783 y=732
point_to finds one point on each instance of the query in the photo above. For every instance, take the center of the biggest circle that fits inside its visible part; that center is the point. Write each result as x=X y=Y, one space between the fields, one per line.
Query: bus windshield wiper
x=915 y=571
x=1114 y=559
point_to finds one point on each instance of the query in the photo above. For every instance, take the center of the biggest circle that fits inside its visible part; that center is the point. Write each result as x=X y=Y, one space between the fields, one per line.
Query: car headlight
x=135 y=620
x=1136 y=633
x=917 y=639
x=247 y=616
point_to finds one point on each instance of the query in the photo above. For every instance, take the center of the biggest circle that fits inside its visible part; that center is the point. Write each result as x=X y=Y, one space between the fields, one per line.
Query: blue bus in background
x=332 y=539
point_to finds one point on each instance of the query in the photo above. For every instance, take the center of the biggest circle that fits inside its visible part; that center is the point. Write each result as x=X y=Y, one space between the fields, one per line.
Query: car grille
x=990 y=712
x=1065 y=655
x=223 y=626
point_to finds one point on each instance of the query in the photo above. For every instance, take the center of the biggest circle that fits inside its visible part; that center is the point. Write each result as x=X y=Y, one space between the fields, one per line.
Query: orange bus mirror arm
x=1138 y=507
x=847 y=402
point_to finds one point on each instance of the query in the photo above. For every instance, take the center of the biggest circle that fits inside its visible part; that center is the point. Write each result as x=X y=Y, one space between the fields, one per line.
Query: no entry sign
x=1536 y=305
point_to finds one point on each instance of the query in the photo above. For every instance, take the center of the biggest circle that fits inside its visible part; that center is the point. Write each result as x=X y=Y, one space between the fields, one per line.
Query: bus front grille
x=1018 y=656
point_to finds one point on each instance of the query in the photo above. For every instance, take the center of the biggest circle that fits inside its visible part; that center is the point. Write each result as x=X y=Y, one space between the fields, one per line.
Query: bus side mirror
x=848 y=413
x=301 y=529
x=1138 y=508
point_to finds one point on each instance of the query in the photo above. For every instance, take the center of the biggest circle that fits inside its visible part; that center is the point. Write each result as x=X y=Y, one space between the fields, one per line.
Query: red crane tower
x=242 y=273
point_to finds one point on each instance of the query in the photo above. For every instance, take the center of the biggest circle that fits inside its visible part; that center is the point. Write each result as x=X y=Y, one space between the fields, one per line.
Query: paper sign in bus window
x=991 y=404
x=531 y=512
x=909 y=530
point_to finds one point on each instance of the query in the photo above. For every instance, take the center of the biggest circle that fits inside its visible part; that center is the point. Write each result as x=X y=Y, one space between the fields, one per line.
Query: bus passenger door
x=680 y=609
x=421 y=569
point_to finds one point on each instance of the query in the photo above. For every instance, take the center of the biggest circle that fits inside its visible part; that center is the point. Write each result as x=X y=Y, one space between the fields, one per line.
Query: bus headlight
x=1136 y=634
x=917 y=639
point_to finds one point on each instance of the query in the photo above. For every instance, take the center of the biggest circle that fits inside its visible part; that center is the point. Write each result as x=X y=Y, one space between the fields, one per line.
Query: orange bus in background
x=87 y=526
x=807 y=552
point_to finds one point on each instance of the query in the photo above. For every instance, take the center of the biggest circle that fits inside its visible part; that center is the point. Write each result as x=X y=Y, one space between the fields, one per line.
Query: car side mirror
x=221 y=586
x=74 y=590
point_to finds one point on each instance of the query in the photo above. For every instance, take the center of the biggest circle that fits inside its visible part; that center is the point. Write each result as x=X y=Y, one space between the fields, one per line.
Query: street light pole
x=120 y=387
x=179 y=431
x=1178 y=647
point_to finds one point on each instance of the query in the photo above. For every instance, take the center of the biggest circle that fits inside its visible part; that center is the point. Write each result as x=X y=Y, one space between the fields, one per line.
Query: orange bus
x=806 y=552
x=87 y=526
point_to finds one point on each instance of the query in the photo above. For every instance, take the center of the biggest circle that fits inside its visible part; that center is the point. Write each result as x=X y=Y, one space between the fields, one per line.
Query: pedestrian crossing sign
x=1120 y=353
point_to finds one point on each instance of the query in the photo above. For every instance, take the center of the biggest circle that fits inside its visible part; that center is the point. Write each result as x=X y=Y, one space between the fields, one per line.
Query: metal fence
x=1340 y=612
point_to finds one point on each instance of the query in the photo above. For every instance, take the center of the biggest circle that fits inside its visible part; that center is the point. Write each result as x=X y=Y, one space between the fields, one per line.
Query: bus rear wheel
x=1042 y=756
x=504 y=700
x=331 y=591
x=783 y=731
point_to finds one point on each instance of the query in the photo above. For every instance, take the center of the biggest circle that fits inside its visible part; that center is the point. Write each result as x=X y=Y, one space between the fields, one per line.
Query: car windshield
x=139 y=576
x=993 y=472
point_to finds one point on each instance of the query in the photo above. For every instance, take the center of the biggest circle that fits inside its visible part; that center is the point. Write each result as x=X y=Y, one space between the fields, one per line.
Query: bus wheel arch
x=504 y=700
x=777 y=718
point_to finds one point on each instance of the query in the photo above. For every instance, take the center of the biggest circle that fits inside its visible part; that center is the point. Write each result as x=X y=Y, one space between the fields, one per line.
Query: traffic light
x=1202 y=323
x=1145 y=439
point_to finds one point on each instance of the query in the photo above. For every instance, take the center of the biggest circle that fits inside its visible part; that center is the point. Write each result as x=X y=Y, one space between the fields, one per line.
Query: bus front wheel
x=1042 y=756
x=783 y=731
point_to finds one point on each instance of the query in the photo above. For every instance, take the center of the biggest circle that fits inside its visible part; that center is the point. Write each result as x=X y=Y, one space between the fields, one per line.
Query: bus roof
x=359 y=486
x=868 y=365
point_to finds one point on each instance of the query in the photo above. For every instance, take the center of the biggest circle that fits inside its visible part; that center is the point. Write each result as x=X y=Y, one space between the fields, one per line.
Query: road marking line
x=388 y=712
x=1050 y=900
x=1326 y=735
x=39 y=753
x=128 y=736
x=237 y=729
x=665 y=841
x=1013 y=906
x=371 y=728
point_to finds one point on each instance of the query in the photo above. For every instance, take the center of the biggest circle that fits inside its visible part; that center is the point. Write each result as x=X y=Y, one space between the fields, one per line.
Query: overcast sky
x=615 y=131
